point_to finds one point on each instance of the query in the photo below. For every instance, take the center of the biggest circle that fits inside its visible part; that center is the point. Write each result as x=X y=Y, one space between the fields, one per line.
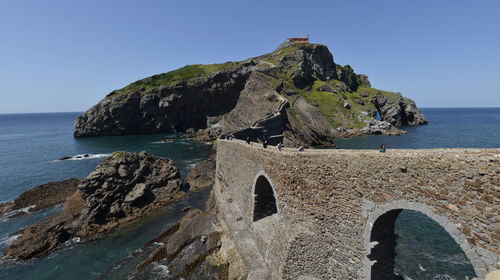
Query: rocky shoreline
x=40 y=198
x=122 y=189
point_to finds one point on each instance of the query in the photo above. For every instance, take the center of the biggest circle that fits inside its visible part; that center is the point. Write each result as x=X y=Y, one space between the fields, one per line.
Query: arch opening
x=264 y=199
x=411 y=244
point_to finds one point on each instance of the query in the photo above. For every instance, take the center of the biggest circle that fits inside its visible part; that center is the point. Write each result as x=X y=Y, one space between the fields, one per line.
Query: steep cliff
x=297 y=92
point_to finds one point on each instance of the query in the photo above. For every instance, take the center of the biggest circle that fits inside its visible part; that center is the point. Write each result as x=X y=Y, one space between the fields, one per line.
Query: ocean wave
x=14 y=212
x=5 y=241
x=82 y=157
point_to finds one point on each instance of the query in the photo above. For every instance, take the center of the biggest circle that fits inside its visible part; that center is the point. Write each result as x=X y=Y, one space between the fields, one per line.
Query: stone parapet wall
x=328 y=201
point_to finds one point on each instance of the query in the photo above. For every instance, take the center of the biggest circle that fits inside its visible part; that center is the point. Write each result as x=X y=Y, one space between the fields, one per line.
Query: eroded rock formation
x=121 y=189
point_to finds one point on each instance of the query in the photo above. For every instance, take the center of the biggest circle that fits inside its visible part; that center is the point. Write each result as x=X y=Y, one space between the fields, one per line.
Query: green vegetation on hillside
x=329 y=104
x=182 y=74
x=119 y=154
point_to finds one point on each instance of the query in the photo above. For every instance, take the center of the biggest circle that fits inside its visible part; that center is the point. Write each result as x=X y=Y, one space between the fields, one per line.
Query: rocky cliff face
x=399 y=110
x=121 y=189
x=325 y=100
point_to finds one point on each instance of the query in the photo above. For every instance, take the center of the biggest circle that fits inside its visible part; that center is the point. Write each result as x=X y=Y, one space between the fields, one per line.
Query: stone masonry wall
x=328 y=201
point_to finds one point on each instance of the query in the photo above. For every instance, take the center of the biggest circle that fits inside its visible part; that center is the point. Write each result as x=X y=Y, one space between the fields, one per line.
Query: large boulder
x=122 y=188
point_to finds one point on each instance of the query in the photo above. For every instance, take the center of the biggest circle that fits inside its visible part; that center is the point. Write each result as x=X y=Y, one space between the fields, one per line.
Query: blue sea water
x=31 y=144
x=447 y=128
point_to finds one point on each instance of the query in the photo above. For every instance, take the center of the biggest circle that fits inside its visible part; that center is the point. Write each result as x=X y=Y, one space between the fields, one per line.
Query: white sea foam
x=443 y=277
x=84 y=156
x=191 y=165
x=8 y=239
x=165 y=141
x=421 y=268
x=159 y=243
x=25 y=210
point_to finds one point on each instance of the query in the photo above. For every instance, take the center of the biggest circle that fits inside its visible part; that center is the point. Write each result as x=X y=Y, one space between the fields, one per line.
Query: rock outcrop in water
x=40 y=198
x=201 y=176
x=123 y=188
x=399 y=110
x=296 y=93
x=199 y=246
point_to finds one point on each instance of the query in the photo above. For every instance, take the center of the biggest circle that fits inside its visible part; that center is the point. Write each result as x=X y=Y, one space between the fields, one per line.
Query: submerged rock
x=122 y=188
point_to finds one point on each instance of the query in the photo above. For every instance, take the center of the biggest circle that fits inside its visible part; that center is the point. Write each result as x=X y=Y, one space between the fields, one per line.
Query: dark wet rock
x=65 y=158
x=201 y=176
x=122 y=188
x=41 y=197
x=197 y=247
x=189 y=230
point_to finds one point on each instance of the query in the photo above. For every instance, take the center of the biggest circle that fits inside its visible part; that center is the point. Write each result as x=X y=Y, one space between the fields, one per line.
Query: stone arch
x=264 y=197
x=380 y=240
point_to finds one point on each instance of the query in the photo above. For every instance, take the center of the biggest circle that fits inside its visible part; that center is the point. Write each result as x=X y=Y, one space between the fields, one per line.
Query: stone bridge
x=329 y=214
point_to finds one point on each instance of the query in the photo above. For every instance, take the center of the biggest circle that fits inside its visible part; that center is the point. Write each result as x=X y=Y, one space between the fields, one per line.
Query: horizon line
x=421 y=107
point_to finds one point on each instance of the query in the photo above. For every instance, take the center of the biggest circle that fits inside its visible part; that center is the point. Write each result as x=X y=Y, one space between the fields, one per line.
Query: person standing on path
x=382 y=148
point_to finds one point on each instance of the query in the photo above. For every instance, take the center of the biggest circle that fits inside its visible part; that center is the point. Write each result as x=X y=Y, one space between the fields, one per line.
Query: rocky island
x=295 y=94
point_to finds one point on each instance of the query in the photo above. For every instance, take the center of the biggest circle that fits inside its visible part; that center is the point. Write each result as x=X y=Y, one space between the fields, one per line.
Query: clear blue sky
x=67 y=55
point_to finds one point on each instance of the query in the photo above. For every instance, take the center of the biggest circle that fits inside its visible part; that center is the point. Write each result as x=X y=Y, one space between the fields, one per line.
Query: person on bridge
x=264 y=144
x=301 y=148
x=248 y=140
x=280 y=146
x=382 y=148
